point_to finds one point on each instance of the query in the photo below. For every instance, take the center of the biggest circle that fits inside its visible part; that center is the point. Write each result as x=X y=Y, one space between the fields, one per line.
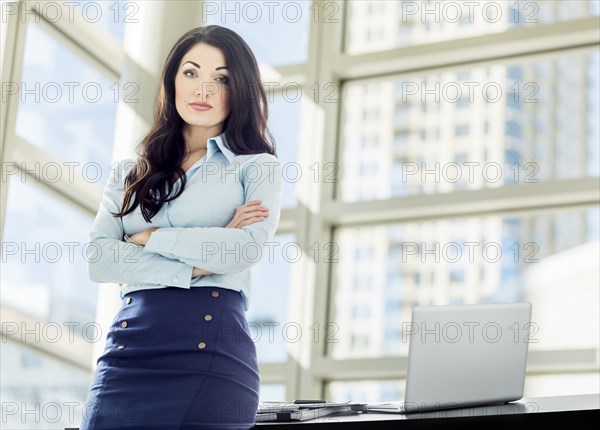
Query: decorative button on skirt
x=176 y=359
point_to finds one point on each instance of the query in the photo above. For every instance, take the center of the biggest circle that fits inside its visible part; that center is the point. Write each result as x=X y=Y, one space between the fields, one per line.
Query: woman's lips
x=200 y=107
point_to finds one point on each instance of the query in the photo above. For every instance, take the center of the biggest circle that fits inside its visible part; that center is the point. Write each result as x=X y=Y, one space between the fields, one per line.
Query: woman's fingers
x=252 y=221
x=254 y=213
x=252 y=206
x=248 y=213
x=249 y=218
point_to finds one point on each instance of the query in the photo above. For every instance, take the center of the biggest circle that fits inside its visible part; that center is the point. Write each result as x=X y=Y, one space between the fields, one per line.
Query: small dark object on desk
x=302 y=402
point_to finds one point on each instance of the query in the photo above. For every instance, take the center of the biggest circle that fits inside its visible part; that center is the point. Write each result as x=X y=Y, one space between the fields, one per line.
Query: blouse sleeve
x=110 y=259
x=223 y=250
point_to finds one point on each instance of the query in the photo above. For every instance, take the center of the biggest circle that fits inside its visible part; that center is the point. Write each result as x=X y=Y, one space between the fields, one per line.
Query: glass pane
x=365 y=391
x=277 y=32
x=561 y=385
x=284 y=124
x=110 y=15
x=66 y=107
x=549 y=259
x=44 y=268
x=382 y=24
x=373 y=391
x=272 y=393
x=267 y=316
x=478 y=128
x=40 y=391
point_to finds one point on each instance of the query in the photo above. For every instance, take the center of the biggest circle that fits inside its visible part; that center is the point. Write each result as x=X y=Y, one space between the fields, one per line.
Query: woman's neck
x=197 y=138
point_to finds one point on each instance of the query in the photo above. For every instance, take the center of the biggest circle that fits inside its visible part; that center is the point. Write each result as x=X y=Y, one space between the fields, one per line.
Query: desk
x=533 y=412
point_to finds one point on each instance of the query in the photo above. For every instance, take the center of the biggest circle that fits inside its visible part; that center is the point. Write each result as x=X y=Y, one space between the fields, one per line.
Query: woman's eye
x=222 y=79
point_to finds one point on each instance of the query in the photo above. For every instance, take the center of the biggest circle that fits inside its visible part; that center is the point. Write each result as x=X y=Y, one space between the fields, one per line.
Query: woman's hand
x=142 y=237
x=247 y=214
x=198 y=271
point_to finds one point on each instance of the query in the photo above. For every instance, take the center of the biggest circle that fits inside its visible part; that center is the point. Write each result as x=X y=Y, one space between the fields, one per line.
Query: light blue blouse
x=191 y=229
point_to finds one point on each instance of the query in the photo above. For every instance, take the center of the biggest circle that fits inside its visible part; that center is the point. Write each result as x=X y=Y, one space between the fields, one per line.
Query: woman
x=198 y=206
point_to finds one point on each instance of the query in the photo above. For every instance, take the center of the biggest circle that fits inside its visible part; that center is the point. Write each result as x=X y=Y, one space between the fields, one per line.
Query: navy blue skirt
x=176 y=359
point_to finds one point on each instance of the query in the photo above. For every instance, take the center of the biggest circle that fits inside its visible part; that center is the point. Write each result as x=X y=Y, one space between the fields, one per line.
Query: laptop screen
x=464 y=355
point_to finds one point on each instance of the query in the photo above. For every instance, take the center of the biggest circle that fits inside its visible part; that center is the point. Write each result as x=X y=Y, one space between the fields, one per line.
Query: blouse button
x=207 y=317
x=128 y=300
x=121 y=346
x=215 y=293
x=124 y=324
x=201 y=345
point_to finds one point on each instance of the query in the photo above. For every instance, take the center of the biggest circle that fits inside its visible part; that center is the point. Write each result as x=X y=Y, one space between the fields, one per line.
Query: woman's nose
x=206 y=89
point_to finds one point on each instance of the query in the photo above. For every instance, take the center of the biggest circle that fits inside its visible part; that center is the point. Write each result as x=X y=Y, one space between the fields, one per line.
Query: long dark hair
x=162 y=150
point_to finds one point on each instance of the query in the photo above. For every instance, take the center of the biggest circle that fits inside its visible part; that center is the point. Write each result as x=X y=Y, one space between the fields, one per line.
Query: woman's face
x=202 y=77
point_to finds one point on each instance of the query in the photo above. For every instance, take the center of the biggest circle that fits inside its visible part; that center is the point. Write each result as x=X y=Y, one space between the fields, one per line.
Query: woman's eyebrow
x=217 y=68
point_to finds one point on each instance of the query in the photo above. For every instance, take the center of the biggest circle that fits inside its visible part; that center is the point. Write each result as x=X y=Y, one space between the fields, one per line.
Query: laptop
x=464 y=355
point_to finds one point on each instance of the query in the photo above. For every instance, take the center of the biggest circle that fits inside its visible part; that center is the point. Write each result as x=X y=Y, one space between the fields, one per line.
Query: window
x=71 y=104
x=457 y=275
x=463 y=102
x=110 y=16
x=401 y=115
x=581 y=159
x=282 y=36
x=461 y=130
x=64 y=119
x=363 y=254
x=46 y=237
x=366 y=391
x=401 y=139
x=513 y=129
x=534 y=267
x=362 y=283
x=284 y=124
x=446 y=21
x=43 y=383
x=267 y=316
